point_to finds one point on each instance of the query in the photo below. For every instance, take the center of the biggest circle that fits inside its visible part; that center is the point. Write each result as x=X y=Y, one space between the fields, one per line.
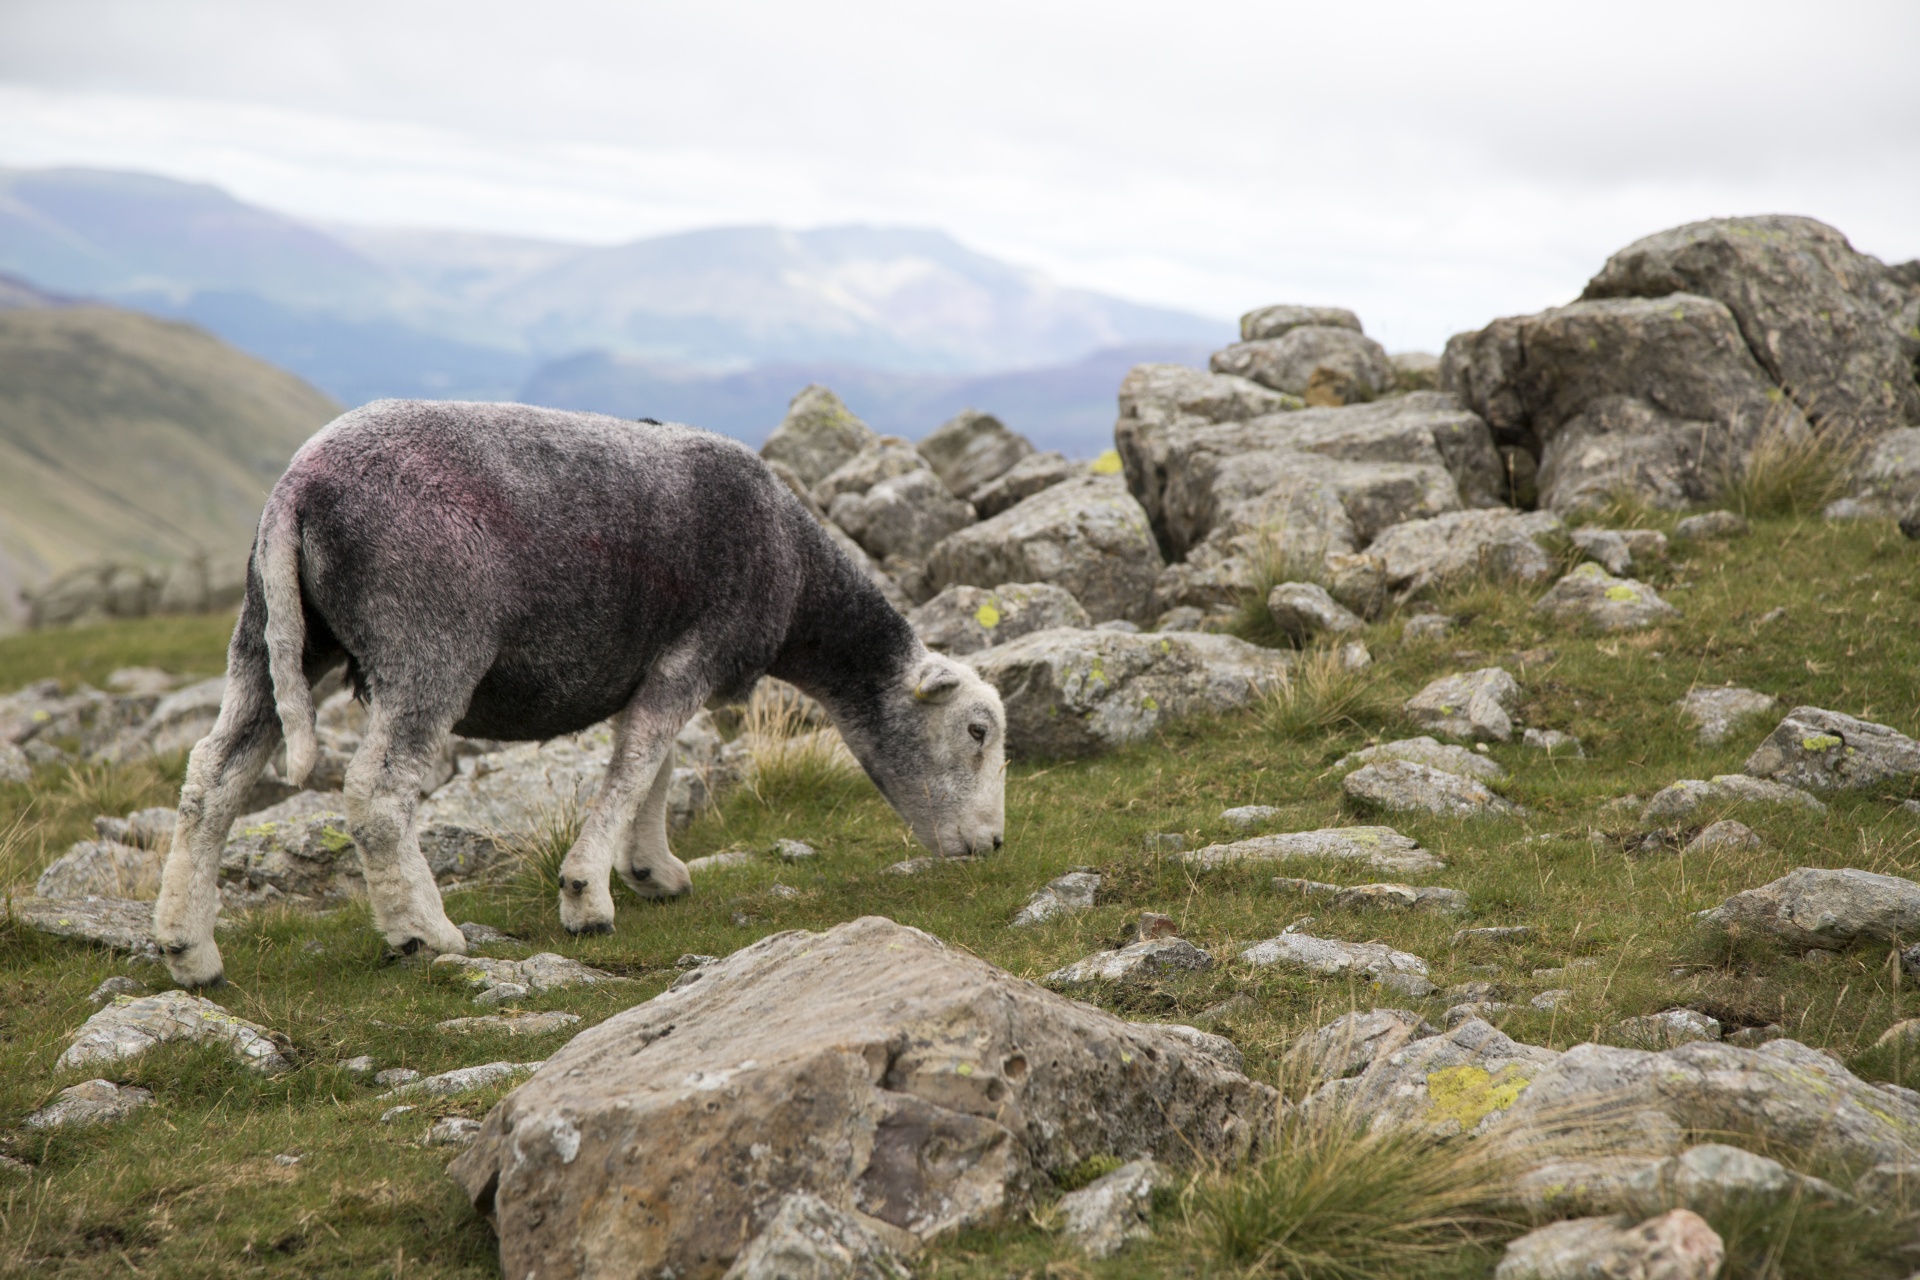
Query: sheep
x=511 y=572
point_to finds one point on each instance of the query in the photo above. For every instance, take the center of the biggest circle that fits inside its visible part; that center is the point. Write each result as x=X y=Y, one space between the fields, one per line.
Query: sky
x=1431 y=166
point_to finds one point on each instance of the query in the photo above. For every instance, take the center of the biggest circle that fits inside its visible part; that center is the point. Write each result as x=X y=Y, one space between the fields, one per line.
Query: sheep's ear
x=935 y=682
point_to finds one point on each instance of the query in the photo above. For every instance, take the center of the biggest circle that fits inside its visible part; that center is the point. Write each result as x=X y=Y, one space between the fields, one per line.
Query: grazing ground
x=191 y=1186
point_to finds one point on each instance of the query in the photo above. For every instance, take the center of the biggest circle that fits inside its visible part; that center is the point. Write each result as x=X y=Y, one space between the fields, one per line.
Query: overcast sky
x=1430 y=165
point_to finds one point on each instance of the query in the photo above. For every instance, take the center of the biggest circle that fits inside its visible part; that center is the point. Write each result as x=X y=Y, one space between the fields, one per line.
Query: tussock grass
x=796 y=755
x=1791 y=472
x=1276 y=558
x=1322 y=695
x=532 y=887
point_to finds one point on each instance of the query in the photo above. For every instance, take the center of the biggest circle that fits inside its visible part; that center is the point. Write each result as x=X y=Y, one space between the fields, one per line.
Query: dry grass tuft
x=794 y=752
x=1791 y=472
x=1322 y=695
x=1275 y=559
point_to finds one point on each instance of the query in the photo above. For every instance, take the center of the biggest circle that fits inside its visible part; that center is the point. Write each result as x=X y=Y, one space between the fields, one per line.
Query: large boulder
x=904 y=516
x=818 y=434
x=964 y=620
x=1508 y=546
x=1887 y=480
x=1021 y=481
x=885 y=458
x=1078 y=693
x=972 y=449
x=1828 y=751
x=1086 y=535
x=1828 y=909
x=1155 y=394
x=868 y=1066
x=1818 y=315
x=1288 y=362
x=1657 y=396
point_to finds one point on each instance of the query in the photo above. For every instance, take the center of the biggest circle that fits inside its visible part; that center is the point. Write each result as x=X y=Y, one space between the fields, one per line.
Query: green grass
x=189 y=1187
x=195 y=645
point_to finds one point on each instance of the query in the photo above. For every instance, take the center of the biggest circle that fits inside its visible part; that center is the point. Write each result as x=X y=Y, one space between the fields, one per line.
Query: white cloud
x=1431 y=166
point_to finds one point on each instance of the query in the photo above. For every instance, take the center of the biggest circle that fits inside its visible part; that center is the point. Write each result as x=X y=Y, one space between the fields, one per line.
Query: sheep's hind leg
x=382 y=791
x=648 y=866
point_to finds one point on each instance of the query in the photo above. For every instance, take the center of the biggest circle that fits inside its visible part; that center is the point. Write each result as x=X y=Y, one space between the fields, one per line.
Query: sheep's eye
x=979 y=732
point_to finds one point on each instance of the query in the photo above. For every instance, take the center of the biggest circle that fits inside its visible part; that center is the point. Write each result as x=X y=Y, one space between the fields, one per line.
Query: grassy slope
x=190 y=1187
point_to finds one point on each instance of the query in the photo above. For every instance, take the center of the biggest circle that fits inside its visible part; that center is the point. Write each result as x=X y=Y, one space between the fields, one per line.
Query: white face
x=944 y=767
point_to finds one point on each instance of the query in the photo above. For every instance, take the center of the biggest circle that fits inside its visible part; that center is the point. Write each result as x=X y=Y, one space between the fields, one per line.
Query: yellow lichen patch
x=1107 y=464
x=1148 y=704
x=1819 y=742
x=987 y=616
x=1467 y=1095
x=1621 y=593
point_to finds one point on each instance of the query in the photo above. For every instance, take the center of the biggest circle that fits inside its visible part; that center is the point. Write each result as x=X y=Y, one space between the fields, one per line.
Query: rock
x=972 y=449
x=1462 y=1081
x=1815 y=907
x=1605 y=548
x=102 y=868
x=132 y=1025
x=1087 y=536
x=1303 y=610
x=511 y=1024
x=539 y=974
x=1426 y=626
x=1707 y=1178
x=1078 y=693
x=1275 y=321
x=903 y=516
x=1590 y=595
x=691 y=960
x=394 y=1077
x=1354 y=656
x=1421 y=555
x=1725 y=834
x=1062 y=895
x=119 y=923
x=1683 y=798
x=1353 y=1041
x=873 y=573
x=1716 y=711
x=1805 y=301
x=464 y=1080
x=1828 y=751
x=453 y=1131
x=1553 y=742
x=1248 y=816
x=964 y=619
x=17 y=1168
x=1135 y=962
x=1405 y=787
x=1547 y=1001
x=115 y=986
x=721 y=861
x=1289 y=361
x=1473 y=1010
x=951 y=1087
x=1152 y=395
x=1476 y=705
x=1391 y=897
x=817 y=436
x=360 y=1065
x=1660 y=397
x=1424 y=750
x=1667 y=1028
x=1498 y=935
x=484 y=935
x=1677 y=1245
x=1395 y=970
x=1163 y=842
x=394 y=1113
x=1102 y=1216
x=93 y=1102
x=176 y=722
x=14 y=764
x=808 y=1239
x=144 y=828
x=794 y=850
x=884 y=459
x=1379 y=847
x=1711 y=525
x=1886 y=483
x=1754 y=1037
x=1415 y=370
x=1025 y=478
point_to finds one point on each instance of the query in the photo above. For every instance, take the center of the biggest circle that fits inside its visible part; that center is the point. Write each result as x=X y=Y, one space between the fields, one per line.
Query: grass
x=189 y=1186
x=1276 y=559
x=1792 y=473
x=194 y=645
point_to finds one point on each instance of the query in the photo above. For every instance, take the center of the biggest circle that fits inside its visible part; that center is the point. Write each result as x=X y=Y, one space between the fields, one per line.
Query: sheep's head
x=939 y=756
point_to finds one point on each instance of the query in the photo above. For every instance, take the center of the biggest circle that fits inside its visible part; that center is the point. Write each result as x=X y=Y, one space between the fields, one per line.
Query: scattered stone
x=1393 y=897
x=1552 y=999
x=1711 y=525
x=1715 y=711
x=538 y=974
x=130 y=1026
x=1303 y=610
x=15 y=766
x=20 y=1168
x=1078 y=693
x=972 y=449
x=1355 y=656
x=1828 y=751
x=1666 y=1029
x=1679 y=801
x=1553 y=742
x=1394 y=970
x=785 y=892
x=1825 y=909
x=1030 y=475
x=1754 y=1037
x=971 y=1085
x=90 y=1103
x=1103 y=1215
x=453 y=1131
x=394 y=1077
x=394 y=1113
x=1248 y=816
x=1725 y=834
x=1496 y=935
x=1426 y=626
x=512 y=1024
x=117 y=923
x=1066 y=894
x=1476 y=705
x=1473 y=1010
x=118 y=985
x=1424 y=750
x=1139 y=961
x=1354 y=1041
x=965 y=619
x=1677 y=1245
x=904 y=515
x=358 y=1066
x=1706 y=1178
x=1591 y=595
x=1151 y=925
x=1403 y=786
x=914 y=866
x=1163 y=842
x=1419 y=556
x=482 y=935
x=808 y=1239
x=721 y=861
x=463 y=1080
x=1379 y=847
x=794 y=850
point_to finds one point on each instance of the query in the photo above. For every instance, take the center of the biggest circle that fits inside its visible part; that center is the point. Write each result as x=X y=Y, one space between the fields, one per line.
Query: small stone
x=692 y=960
x=1553 y=742
x=394 y=1113
x=720 y=861
x=1485 y=1010
x=1397 y=970
x=1754 y=1037
x=1591 y=595
x=1405 y=787
x=1712 y=524
x=453 y=1131
x=394 y=1077
x=513 y=1024
x=1184 y=617
x=1069 y=893
x=1102 y=1216
x=1605 y=547
x=1716 y=711
x=1495 y=935
x=1303 y=610
x=359 y=1066
x=1776 y=614
x=1163 y=842
x=1382 y=848
x=1123 y=625
x=480 y=935
x=785 y=892
x=1666 y=1029
x=1152 y=925
x=118 y=985
x=1677 y=1245
x=808 y=1239
x=90 y=1103
x=1424 y=750
x=1553 y=999
x=1426 y=626
x=536 y=974
x=1141 y=960
x=1476 y=705
x=1725 y=834
x=1248 y=816
x=130 y=1026
x=794 y=850
x=1355 y=656
x=463 y=1080
x=1471 y=991
x=504 y=993
x=17 y=1168
x=1679 y=801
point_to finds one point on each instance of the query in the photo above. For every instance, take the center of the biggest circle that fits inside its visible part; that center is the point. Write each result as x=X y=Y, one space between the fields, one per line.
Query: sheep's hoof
x=601 y=926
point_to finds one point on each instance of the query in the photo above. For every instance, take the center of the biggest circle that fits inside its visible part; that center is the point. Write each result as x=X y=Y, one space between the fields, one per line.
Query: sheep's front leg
x=649 y=867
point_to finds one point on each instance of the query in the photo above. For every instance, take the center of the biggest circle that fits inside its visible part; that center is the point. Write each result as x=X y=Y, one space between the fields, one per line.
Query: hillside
x=126 y=436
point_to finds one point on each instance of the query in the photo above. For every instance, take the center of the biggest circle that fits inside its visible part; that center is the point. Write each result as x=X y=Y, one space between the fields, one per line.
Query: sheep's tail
x=278 y=559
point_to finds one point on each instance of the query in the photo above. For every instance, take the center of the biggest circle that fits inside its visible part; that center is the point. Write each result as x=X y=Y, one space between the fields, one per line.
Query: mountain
x=126 y=436
x=1068 y=407
x=365 y=312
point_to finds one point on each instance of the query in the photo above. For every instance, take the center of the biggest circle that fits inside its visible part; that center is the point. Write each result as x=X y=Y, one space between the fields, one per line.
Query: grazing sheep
x=511 y=572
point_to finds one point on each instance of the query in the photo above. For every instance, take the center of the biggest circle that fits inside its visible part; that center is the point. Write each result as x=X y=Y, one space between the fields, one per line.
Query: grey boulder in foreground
x=669 y=1136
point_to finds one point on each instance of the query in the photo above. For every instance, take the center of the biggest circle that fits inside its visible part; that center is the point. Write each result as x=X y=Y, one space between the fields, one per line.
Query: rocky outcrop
x=1828 y=751
x=1506 y=546
x=973 y=449
x=817 y=436
x=1087 y=536
x=1025 y=478
x=885 y=459
x=1152 y=395
x=1289 y=361
x=1276 y=321
x=963 y=620
x=669 y=1135
x=904 y=516
x=1077 y=693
